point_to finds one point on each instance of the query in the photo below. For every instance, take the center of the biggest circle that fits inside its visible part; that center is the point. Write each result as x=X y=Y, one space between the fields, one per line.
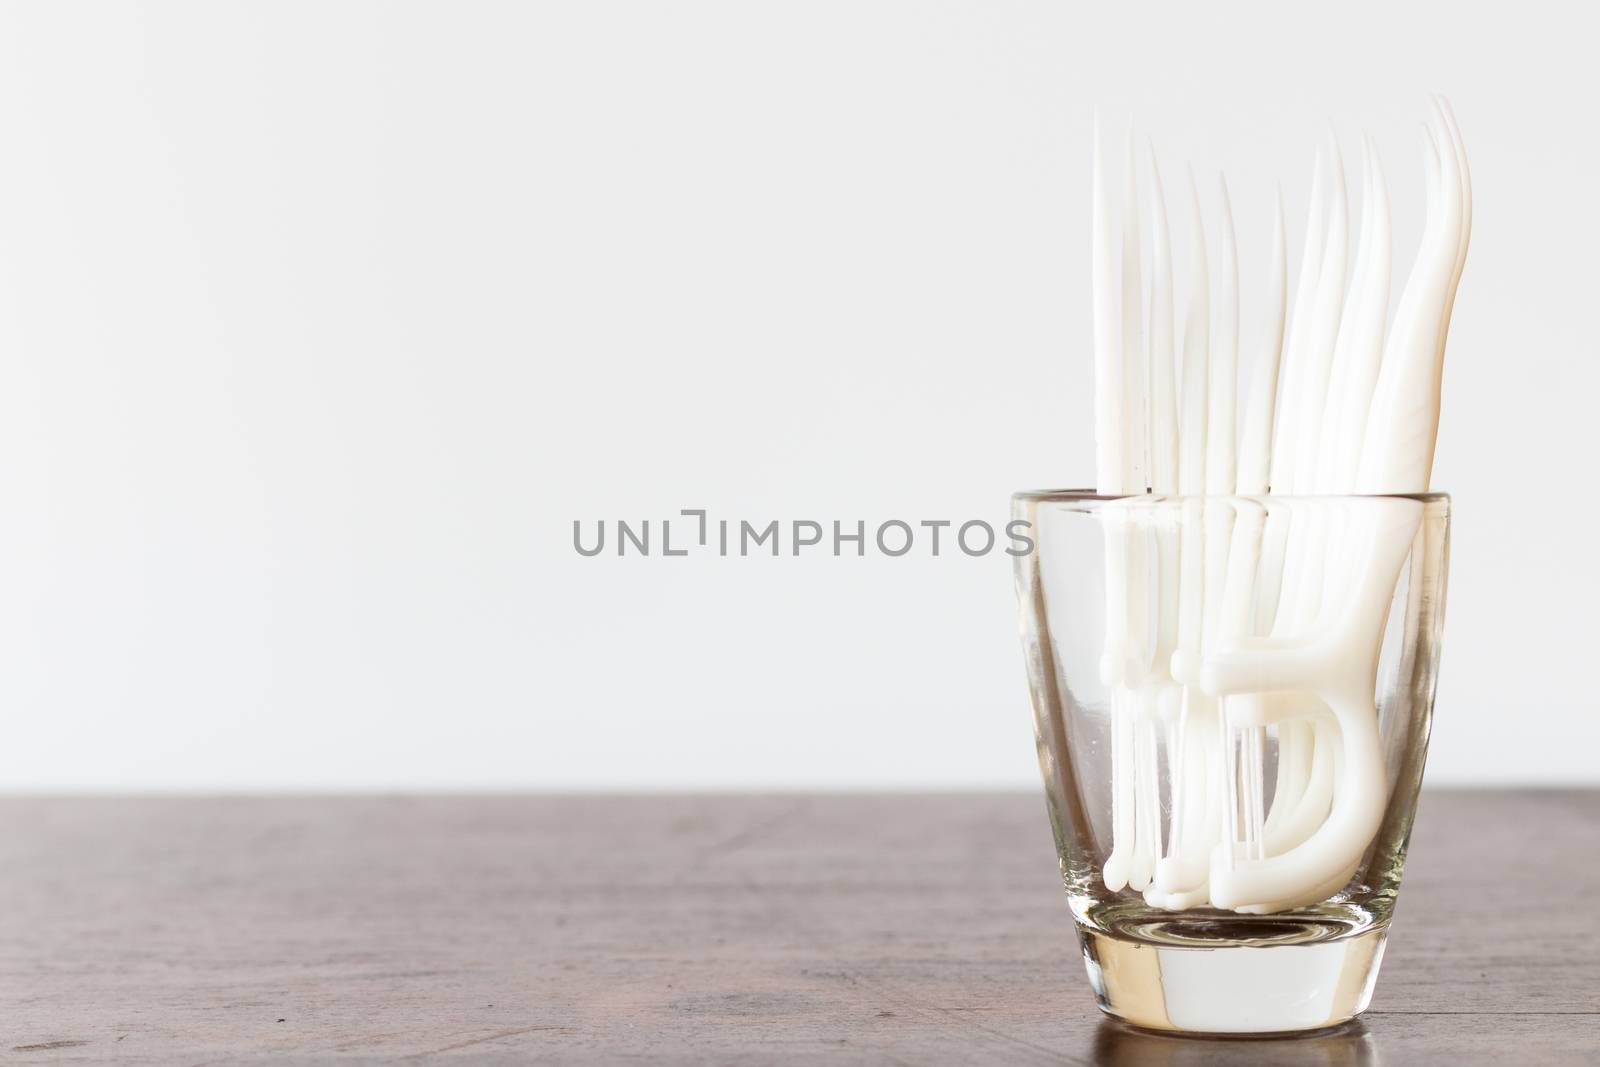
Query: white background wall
x=320 y=323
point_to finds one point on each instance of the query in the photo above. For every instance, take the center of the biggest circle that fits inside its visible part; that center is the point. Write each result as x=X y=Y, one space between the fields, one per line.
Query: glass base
x=1247 y=975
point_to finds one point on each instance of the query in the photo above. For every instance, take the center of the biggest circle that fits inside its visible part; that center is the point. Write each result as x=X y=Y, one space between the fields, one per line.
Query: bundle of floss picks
x=1242 y=618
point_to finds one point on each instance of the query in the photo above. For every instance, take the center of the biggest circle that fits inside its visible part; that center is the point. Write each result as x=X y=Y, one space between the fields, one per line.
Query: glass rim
x=1090 y=496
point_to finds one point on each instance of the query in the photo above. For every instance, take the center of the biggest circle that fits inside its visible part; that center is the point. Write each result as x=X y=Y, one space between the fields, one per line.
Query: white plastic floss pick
x=1340 y=400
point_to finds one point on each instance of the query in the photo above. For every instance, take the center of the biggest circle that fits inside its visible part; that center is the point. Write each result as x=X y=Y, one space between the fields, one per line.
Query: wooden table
x=732 y=929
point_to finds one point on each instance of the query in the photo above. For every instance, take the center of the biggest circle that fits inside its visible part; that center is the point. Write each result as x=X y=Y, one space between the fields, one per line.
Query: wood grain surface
x=719 y=930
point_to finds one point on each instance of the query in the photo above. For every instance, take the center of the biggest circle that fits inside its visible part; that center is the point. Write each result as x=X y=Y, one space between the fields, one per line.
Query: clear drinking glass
x=1232 y=698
